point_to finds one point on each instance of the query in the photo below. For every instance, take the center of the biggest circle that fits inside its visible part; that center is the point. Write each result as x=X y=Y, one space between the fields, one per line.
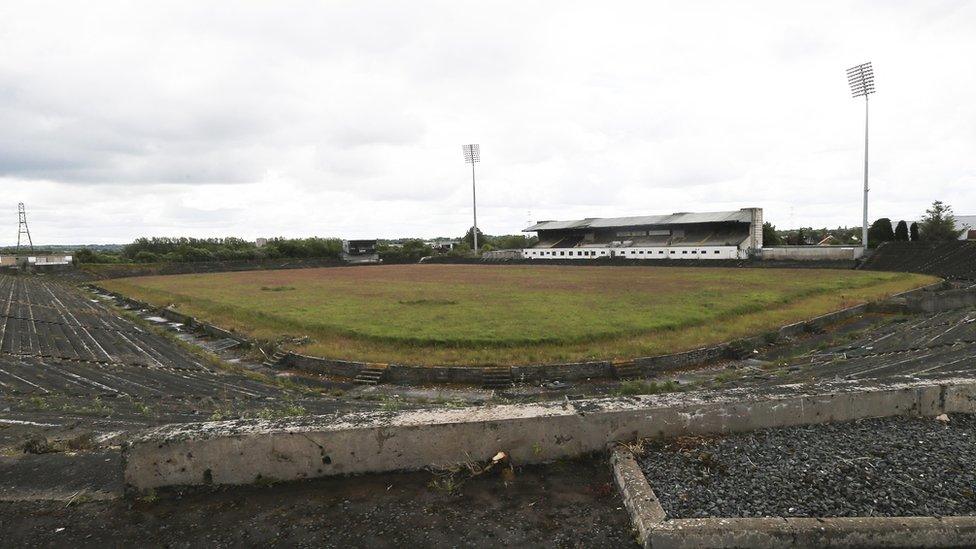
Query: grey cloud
x=347 y=118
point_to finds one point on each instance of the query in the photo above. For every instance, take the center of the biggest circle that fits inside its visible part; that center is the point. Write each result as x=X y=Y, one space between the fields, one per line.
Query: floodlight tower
x=861 y=80
x=472 y=155
x=22 y=228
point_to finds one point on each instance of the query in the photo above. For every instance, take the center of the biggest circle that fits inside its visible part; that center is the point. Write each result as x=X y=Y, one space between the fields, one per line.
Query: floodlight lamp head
x=861 y=79
x=472 y=153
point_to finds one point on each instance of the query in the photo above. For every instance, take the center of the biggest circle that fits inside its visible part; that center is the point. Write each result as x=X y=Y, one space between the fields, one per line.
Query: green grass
x=472 y=314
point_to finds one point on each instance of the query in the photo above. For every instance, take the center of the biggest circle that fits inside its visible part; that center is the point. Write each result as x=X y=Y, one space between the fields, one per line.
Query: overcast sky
x=120 y=120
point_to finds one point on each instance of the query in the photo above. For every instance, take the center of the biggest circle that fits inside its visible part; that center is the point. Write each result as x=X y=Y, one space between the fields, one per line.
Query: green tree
x=901 y=231
x=409 y=251
x=461 y=250
x=939 y=223
x=769 y=236
x=913 y=231
x=801 y=237
x=511 y=241
x=469 y=238
x=84 y=255
x=146 y=257
x=880 y=231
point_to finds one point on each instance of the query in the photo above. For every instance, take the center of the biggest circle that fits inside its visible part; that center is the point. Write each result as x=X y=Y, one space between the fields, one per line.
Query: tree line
x=938 y=224
x=412 y=250
x=185 y=249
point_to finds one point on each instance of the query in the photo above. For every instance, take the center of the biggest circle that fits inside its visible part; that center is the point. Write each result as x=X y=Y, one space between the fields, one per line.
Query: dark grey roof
x=743 y=216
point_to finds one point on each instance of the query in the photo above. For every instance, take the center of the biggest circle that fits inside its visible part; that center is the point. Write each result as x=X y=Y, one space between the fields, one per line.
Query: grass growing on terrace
x=491 y=314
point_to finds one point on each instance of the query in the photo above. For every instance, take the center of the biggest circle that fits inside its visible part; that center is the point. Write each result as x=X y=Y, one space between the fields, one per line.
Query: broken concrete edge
x=244 y=451
x=815 y=532
x=654 y=529
x=406 y=374
x=639 y=499
x=62 y=496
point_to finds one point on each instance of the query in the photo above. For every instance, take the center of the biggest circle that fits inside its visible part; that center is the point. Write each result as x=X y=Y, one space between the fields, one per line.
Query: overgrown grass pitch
x=499 y=314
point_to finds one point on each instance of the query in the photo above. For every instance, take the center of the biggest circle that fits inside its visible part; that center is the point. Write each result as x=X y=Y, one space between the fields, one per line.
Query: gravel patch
x=897 y=466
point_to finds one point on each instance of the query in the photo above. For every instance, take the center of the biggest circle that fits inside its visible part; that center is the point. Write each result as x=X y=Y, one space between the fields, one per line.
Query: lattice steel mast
x=22 y=228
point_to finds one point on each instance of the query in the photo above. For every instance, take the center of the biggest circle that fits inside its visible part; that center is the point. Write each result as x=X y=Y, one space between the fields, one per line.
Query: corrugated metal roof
x=965 y=221
x=743 y=216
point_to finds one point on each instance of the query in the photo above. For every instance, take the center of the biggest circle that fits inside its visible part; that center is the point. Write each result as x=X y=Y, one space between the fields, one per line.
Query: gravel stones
x=900 y=466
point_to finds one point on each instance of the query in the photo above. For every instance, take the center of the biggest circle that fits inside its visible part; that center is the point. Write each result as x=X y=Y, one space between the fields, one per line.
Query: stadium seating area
x=953 y=260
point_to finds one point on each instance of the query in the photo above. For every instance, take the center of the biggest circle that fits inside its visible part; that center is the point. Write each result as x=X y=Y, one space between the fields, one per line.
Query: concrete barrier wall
x=575 y=371
x=812 y=253
x=174 y=316
x=244 y=451
x=567 y=372
x=930 y=302
x=418 y=375
x=123 y=270
x=342 y=368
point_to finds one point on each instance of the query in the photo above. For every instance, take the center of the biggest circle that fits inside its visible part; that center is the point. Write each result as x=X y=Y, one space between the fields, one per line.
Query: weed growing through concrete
x=144 y=409
x=392 y=405
x=445 y=484
x=149 y=497
x=38 y=402
x=289 y=410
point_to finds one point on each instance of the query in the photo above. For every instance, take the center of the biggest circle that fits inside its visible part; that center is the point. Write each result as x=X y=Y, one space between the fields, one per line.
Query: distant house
x=261 y=242
x=35 y=260
x=360 y=251
x=966 y=225
x=443 y=244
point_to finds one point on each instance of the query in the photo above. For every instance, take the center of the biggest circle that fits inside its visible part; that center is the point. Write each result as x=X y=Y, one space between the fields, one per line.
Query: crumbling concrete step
x=494 y=378
x=626 y=370
x=370 y=376
x=222 y=344
x=274 y=361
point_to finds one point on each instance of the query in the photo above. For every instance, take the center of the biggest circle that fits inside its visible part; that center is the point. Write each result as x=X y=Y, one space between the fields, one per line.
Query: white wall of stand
x=659 y=252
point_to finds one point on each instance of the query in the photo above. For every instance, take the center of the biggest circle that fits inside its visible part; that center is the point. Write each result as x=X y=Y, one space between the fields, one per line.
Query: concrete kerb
x=655 y=530
x=646 y=512
x=574 y=371
x=241 y=452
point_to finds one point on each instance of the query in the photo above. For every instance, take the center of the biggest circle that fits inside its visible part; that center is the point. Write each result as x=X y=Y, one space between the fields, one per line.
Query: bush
x=769 y=235
x=901 y=231
x=86 y=255
x=880 y=231
x=146 y=257
x=410 y=252
x=145 y=250
x=939 y=223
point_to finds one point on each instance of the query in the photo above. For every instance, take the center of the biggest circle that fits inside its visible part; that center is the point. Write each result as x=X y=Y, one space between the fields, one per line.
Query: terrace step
x=370 y=376
x=274 y=361
x=495 y=378
x=626 y=370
